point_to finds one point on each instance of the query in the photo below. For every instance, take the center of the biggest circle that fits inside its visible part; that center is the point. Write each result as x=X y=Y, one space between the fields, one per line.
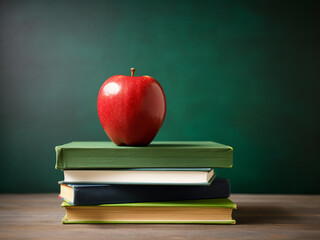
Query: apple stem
x=132 y=71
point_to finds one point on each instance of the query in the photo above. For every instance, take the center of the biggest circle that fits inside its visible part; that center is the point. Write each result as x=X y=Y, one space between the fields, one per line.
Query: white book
x=163 y=176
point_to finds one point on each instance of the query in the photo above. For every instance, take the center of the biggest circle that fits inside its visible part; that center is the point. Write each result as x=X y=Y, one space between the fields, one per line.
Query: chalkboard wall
x=242 y=73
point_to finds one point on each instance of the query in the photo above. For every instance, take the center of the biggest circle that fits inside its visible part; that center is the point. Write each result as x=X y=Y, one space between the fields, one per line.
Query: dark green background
x=243 y=73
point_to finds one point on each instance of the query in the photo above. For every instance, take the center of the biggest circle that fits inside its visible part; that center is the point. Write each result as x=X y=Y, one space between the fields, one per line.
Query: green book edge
x=65 y=221
x=153 y=145
x=218 y=202
x=100 y=161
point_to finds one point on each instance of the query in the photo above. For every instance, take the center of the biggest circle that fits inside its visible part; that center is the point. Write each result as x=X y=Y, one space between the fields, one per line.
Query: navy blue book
x=76 y=194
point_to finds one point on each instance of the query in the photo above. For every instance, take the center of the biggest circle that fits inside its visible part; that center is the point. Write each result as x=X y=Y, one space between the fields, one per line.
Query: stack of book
x=165 y=182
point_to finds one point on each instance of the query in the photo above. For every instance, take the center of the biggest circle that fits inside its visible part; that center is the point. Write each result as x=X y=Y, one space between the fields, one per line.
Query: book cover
x=205 y=211
x=106 y=194
x=103 y=155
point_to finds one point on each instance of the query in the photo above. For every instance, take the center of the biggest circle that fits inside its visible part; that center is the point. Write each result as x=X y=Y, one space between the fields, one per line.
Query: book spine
x=59 y=160
x=101 y=159
x=83 y=195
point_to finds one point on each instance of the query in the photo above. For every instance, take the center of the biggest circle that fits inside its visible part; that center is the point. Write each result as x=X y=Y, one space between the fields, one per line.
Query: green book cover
x=66 y=221
x=224 y=203
x=104 y=155
x=217 y=202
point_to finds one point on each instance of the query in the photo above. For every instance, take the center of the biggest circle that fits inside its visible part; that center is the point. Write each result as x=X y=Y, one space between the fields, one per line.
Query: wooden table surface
x=38 y=216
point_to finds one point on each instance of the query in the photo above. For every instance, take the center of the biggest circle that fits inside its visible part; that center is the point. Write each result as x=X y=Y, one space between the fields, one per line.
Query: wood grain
x=38 y=216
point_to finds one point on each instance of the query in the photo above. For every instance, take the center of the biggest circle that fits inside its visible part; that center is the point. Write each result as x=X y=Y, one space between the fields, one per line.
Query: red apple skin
x=131 y=109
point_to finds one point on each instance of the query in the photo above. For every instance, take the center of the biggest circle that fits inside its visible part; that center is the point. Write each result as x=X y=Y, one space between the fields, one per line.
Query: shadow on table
x=262 y=214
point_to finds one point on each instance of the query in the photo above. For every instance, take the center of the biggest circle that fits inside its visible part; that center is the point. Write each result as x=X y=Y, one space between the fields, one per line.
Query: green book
x=205 y=211
x=105 y=155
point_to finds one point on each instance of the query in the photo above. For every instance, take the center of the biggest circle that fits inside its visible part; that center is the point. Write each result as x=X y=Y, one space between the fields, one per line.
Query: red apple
x=131 y=109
